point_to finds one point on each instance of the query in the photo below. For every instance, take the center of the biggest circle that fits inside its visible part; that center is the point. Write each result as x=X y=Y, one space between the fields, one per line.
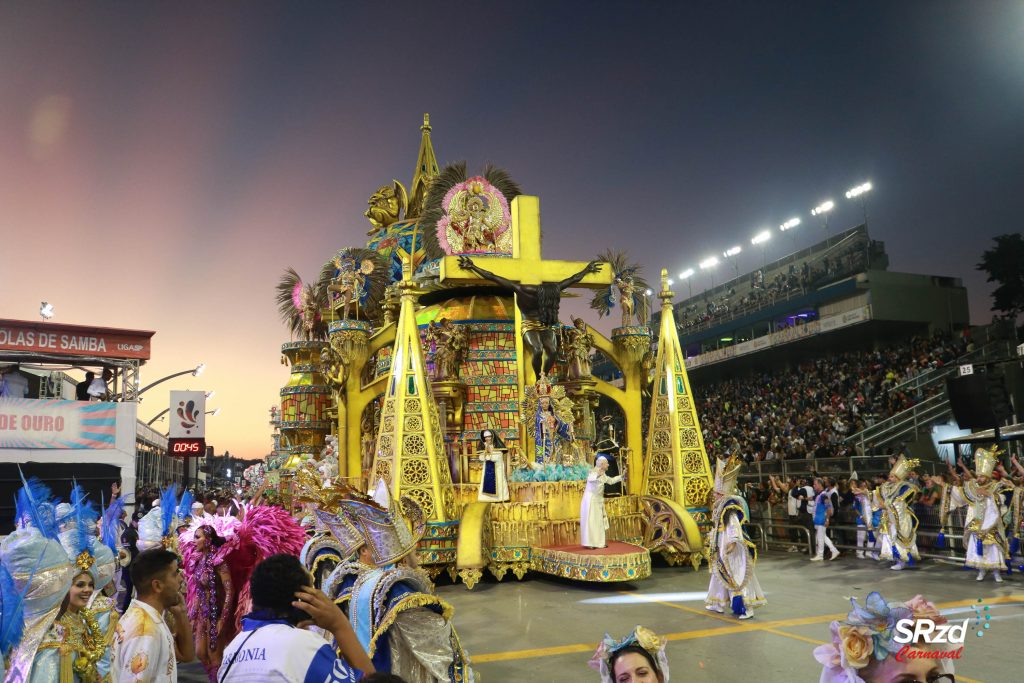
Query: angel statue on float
x=629 y=288
x=547 y=413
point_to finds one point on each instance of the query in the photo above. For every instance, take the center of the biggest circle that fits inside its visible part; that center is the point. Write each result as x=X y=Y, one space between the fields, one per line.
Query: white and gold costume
x=897 y=529
x=732 y=556
x=984 y=533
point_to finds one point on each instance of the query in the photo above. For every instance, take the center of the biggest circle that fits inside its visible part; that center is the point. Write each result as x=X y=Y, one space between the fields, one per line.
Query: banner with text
x=53 y=423
x=188 y=415
x=73 y=340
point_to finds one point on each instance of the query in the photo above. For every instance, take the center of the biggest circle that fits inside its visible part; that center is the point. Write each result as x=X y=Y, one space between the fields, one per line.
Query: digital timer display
x=185 y=448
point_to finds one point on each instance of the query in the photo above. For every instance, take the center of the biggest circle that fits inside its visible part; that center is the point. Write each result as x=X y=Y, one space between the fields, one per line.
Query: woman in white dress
x=593 y=519
x=493 y=482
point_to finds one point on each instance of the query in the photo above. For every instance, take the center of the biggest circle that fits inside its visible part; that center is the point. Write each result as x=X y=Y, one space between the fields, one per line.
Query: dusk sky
x=162 y=163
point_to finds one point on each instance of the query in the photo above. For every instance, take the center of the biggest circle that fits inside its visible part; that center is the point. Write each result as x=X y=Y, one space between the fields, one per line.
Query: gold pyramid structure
x=426 y=170
x=676 y=466
x=410 y=454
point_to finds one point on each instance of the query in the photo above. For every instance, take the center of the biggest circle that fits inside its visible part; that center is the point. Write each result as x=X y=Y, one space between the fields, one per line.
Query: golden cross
x=526 y=265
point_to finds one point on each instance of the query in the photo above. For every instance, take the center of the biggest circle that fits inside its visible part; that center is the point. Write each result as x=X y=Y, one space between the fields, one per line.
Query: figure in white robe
x=593 y=518
x=732 y=556
x=493 y=482
x=984 y=532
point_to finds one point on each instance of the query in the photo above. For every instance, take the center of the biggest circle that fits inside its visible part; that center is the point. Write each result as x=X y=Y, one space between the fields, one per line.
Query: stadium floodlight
x=790 y=224
x=761 y=237
x=45 y=310
x=649 y=292
x=823 y=208
x=670 y=282
x=686 y=273
x=855 y=192
x=709 y=262
x=732 y=251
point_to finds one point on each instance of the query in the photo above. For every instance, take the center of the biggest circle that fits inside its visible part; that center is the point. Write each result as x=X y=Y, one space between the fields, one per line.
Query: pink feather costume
x=262 y=531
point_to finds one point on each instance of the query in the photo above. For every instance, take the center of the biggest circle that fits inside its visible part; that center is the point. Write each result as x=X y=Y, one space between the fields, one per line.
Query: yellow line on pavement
x=734 y=627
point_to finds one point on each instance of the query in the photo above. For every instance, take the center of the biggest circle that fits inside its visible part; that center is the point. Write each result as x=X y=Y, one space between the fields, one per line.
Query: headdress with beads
x=640 y=637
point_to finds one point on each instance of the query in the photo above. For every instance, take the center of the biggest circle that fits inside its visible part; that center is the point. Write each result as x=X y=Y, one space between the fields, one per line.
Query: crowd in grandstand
x=766 y=288
x=808 y=411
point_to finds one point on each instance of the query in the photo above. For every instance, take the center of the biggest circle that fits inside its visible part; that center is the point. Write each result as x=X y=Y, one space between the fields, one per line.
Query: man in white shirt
x=274 y=648
x=145 y=650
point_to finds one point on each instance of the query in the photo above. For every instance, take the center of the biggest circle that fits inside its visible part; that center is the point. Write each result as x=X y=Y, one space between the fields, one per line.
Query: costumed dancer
x=867 y=520
x=41 y=574
x=156 y=527
x=219 y=553
x=321 y=553
x=898 y=526
x=593 y=517
x=76 y=647
x=400 y=623
x=493 y=482
x=731 y=555
x=984 y=535
x=864 y=649
x=640 y=656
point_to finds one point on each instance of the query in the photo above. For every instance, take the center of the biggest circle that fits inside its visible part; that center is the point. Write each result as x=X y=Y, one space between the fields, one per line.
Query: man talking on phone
x=274 y=644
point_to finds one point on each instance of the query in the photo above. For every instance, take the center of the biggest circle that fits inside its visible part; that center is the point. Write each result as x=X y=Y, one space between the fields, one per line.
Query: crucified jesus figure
x=538 y=304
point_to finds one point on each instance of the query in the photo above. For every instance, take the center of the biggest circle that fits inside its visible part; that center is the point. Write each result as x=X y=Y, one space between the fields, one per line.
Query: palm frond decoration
x=375 y=272
x=299 y=305
x=604 y=299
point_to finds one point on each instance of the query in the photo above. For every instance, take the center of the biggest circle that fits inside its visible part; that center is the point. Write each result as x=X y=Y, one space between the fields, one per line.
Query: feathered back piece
x=168 y=506
x=433 y=206
x=36 y=505
x=374 y=268
x=111 y=523
x=605 y=298
x=185 y=505
x=12 y=612
x=299 y=305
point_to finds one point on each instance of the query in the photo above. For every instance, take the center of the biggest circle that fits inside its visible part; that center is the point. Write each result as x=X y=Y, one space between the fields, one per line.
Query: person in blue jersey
x=405 y=628
x=274 y=645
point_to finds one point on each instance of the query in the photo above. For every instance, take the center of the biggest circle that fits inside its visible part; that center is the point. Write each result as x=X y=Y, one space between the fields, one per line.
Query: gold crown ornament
x=985 y=461
x=391 y=534
x=84 y=560
x=903 y=467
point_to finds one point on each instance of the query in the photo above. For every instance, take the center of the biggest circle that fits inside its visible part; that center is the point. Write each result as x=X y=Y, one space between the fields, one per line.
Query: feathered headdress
x=185 y=505
x=640 y=637
x=111 y=521
x=35 y=505
x=604 y=298
x=79 y=545
x=168 y=506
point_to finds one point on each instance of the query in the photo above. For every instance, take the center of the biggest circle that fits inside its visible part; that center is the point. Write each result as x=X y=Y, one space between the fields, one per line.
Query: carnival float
x=432 y=363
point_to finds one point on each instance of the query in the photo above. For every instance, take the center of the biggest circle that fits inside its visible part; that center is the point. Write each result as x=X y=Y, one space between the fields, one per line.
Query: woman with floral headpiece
x=864 y=647
x=637 y=658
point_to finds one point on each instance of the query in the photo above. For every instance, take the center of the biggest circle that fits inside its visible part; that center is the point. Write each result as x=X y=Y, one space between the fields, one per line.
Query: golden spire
x=677 y=465
x=426 y=170
x=410 y=454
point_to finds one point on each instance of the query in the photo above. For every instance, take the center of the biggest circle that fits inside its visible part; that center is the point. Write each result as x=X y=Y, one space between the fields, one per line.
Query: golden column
x=410 y=455
x=677 y=465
